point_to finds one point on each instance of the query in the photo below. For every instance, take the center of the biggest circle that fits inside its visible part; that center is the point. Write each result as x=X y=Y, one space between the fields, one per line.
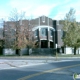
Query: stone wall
x=8 y=51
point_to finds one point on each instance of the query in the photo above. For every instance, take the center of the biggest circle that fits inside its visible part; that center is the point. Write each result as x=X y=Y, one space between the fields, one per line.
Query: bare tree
x=23 y=32
x=1 y=32
x=16 y=16
x=20 y=41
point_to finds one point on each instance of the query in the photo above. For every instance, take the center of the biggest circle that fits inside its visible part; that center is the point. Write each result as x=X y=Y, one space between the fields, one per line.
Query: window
x=63 y=33
x=36 y=33
x=44 y=31
x=51 y=32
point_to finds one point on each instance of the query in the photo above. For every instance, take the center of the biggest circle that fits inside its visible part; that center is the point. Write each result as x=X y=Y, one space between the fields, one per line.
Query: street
x=49 y=71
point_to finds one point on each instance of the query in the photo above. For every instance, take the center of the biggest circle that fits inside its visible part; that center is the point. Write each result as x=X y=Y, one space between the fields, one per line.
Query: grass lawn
x=68 y=55
x=58 y=55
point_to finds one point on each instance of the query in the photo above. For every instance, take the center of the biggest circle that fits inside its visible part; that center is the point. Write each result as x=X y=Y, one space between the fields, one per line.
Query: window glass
x=36 y=33
x=51 y=32
x=44 y=31
x=63 y=33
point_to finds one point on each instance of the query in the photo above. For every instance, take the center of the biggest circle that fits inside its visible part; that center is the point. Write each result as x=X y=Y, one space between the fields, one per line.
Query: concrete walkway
x=14 y=62
x=9 y=64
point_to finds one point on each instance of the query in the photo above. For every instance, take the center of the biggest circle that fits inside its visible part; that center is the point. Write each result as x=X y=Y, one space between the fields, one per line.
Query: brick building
x=45 y=31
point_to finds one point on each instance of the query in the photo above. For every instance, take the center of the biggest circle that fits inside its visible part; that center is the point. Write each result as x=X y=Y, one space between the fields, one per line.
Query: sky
x=55 y=9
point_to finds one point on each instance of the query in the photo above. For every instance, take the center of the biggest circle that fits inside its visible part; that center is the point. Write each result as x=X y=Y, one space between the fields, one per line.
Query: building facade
x=44 y=31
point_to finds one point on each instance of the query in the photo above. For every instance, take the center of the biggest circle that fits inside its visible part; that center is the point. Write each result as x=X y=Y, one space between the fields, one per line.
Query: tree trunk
x=1 y=50
x=74 y=50
x=17 y=51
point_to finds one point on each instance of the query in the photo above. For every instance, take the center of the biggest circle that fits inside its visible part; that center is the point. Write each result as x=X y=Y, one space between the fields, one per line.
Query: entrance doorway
x=51 y=45
x=44 y=44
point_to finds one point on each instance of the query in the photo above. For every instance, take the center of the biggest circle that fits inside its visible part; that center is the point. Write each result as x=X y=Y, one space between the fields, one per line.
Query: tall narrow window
x=51 y=32
x=44 y=31
x=36 y=33
x=63 y=33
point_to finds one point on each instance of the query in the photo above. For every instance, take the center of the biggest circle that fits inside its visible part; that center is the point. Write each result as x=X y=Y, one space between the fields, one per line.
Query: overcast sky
x=55 y=9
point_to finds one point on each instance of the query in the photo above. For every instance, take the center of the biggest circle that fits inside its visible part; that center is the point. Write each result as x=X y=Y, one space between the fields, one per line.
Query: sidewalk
x=9 y=64
x=22 y=61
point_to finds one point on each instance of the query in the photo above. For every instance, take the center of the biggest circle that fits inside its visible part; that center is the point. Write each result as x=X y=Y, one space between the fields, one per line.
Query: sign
x=76 y=76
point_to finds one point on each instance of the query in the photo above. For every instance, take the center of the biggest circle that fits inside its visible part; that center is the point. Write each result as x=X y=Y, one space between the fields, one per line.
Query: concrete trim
x=42 y=26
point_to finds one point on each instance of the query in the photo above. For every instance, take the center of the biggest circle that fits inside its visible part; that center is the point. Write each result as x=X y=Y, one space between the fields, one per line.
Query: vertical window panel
x=44 y=32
